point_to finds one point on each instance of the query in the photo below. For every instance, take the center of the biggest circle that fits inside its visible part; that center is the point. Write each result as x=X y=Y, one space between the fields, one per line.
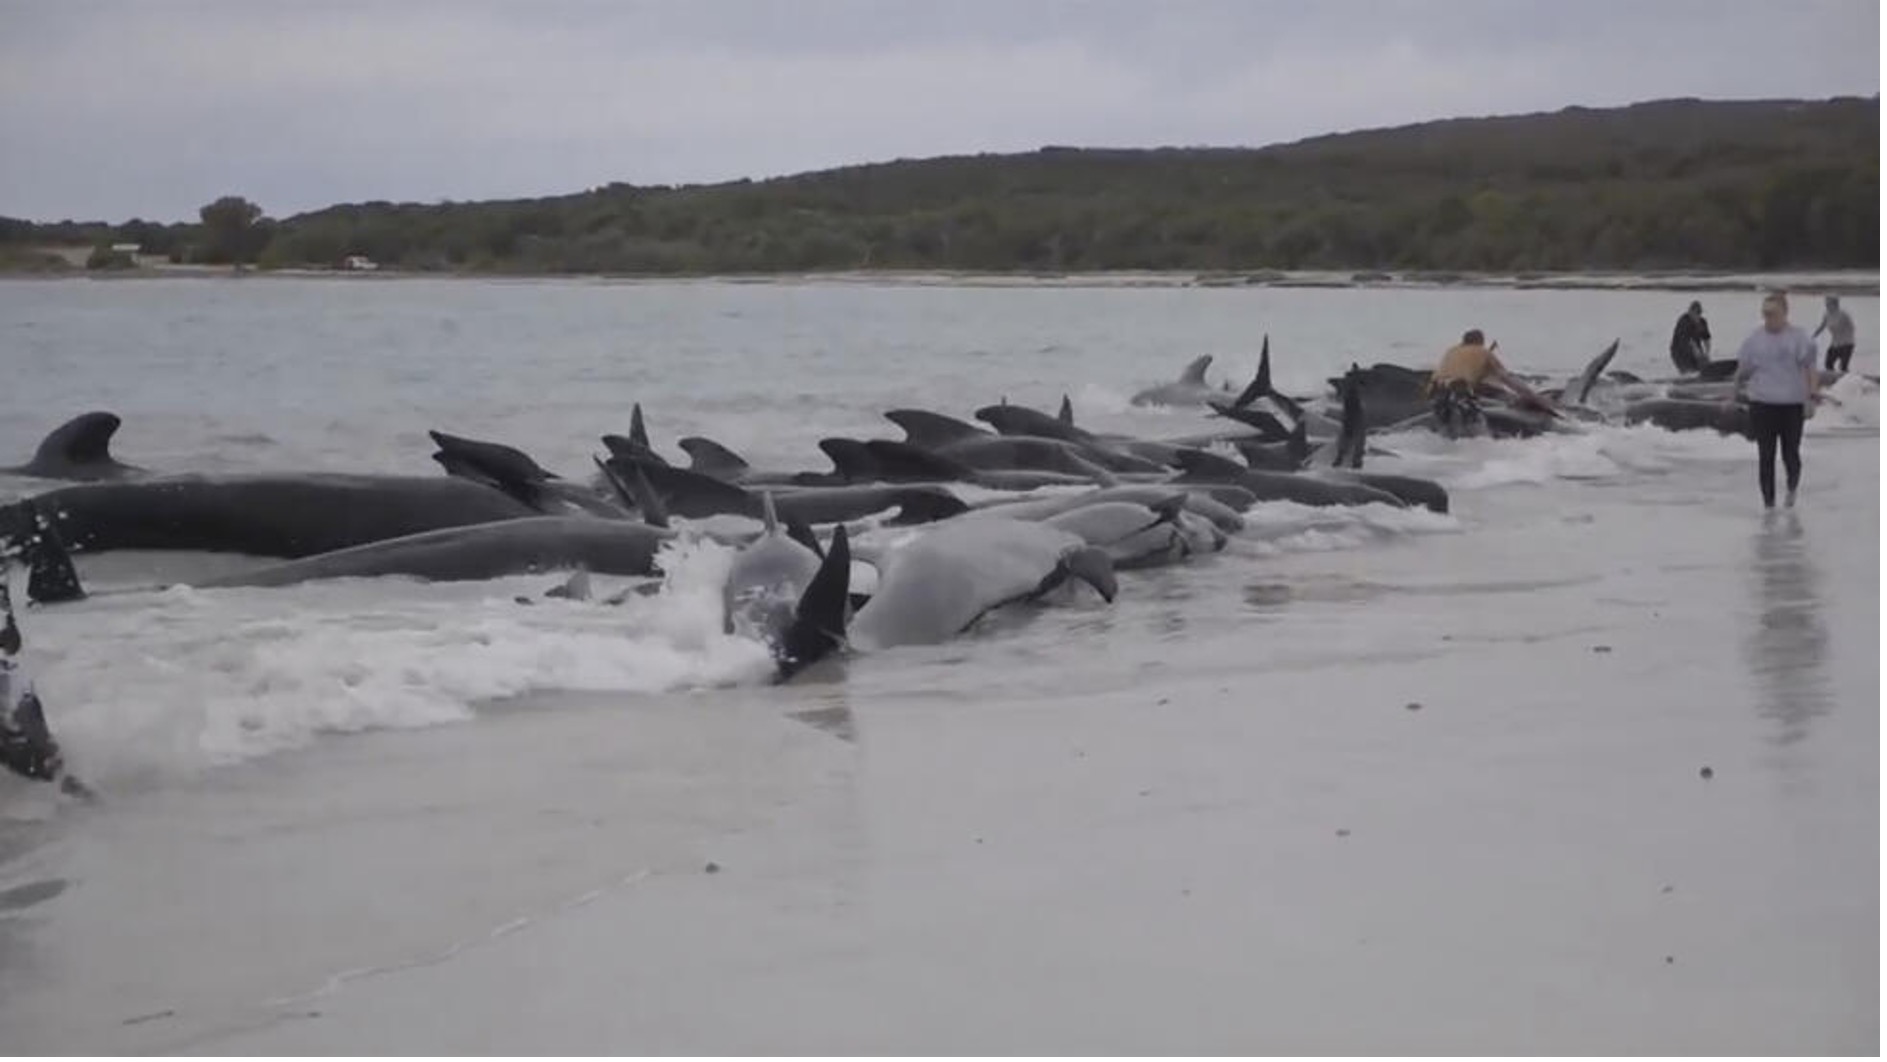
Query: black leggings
x=1839 y=355
x=1772 y=423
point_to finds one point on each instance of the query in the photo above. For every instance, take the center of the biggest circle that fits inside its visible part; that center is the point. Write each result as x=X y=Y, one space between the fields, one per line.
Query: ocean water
x=1371 y=780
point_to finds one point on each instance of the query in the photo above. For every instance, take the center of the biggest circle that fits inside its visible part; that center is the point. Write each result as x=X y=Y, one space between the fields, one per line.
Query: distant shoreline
x=1838 y=282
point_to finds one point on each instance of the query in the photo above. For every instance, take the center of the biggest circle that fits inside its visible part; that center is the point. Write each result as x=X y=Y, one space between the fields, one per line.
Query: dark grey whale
x=266 y=515
x=528 y=546
x=1679 y=414
x=695 y=496
x=511 y=471
x=1203 y=467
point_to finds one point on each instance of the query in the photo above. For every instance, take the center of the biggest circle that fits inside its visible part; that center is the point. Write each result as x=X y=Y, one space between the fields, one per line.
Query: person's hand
x=1808 y=408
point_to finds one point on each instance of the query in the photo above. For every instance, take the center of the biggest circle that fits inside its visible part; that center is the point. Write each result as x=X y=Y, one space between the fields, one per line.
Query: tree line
x=1680 y=184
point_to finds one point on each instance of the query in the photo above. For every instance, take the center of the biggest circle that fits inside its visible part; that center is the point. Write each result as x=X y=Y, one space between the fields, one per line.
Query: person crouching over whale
x=1463 y=369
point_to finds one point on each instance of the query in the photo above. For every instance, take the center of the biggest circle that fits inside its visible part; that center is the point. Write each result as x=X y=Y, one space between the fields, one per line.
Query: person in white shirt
x=1840 y=328
x=1775 y=373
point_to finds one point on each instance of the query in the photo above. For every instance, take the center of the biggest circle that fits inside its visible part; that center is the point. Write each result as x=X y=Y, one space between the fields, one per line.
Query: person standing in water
x=1690 y=341
x=1840 y=328
x=1775 y=373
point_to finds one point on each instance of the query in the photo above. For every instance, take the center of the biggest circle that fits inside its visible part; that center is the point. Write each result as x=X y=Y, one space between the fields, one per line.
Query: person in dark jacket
x=1690 y=341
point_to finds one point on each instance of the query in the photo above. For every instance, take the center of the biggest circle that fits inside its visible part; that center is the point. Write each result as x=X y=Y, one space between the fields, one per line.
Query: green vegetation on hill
x=1679 y=184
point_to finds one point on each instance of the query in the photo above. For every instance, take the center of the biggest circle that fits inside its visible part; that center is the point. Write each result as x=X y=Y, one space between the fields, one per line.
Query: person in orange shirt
x=1463 y=369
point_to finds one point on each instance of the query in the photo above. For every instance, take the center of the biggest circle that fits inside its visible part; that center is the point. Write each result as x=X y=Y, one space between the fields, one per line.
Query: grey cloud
x=110 y=109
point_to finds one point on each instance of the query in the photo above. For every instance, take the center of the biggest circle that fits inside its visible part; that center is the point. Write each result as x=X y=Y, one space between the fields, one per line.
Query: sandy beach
x=1589 y=765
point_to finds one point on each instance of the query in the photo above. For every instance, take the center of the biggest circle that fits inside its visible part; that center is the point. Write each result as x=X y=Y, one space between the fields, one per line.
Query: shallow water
x=1204 y=818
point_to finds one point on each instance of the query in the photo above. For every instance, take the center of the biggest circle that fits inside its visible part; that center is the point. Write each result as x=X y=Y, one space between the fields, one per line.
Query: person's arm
x=1745 y=365
x=1703 y=338
x=1812 y=375
x=1514 y=384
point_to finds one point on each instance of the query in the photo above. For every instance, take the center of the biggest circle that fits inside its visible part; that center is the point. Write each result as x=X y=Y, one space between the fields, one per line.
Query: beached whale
x=1202 y=467
x=1678 y=414
x=1139 y=536
x=785 y=594
x=1191 y=389
x=264 y=515
x=511 y=471
x=1107 y=450
x=527 y=546
x=935 y=588
x=696 y=496
x=897 y=461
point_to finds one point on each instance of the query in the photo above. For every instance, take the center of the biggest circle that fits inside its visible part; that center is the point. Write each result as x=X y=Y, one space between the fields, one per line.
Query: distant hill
x=1676 y=184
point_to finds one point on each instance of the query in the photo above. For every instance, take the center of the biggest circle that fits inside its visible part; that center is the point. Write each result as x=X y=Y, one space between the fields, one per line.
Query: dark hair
x=1474 y=336
x=1696 y=307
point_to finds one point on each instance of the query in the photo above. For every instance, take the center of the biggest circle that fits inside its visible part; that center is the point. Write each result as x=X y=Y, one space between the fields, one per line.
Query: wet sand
x=1240 y=836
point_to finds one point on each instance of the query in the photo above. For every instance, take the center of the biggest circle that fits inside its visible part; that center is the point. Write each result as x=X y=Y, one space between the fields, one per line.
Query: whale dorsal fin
x=1067 y=412
x=83 y=440
x=638 y=431
x=850 y=459
x=930 y=430
x=711 y=458
x=1195 y=372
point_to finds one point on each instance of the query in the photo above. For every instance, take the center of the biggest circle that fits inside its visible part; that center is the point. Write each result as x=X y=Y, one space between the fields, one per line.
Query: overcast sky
x=118 y=108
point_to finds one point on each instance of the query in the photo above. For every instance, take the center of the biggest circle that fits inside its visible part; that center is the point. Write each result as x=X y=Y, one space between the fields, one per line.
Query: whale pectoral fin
x=654 y=513
x=1169 y=508
x=27 y=747
x=1260 y=385
x=801 y=532
x=635 y=493
x=819 y=620
x=1093 y=566
x=51 y=578
x=1593 y=370
x=575 y=588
